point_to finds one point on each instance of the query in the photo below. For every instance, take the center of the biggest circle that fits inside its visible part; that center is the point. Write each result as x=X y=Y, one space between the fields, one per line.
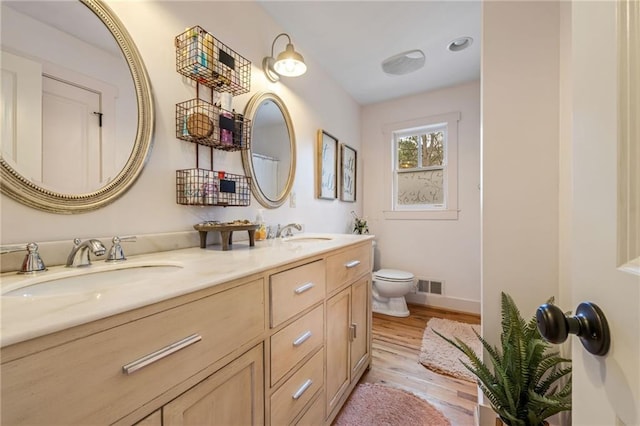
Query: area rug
x=372 y=404
x=440 y=356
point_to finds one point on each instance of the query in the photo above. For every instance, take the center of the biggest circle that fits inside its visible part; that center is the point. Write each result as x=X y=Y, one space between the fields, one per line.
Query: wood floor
x=396 y=345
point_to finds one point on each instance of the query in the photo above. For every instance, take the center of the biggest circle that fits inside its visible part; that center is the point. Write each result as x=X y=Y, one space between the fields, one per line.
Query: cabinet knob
x=589 y=324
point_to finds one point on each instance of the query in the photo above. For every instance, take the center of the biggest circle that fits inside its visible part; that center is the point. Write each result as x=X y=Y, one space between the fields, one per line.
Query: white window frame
x=447 y=211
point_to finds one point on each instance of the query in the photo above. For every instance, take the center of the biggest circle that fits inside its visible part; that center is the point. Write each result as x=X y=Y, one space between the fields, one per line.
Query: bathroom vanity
x=274 y=334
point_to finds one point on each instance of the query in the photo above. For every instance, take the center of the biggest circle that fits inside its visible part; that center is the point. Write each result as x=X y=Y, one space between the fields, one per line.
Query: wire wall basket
x=203 y=123
x=201 y=187
x=203 y=58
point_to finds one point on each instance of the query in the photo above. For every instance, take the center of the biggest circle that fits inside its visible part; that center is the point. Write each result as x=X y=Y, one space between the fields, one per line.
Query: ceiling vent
x=404 y=63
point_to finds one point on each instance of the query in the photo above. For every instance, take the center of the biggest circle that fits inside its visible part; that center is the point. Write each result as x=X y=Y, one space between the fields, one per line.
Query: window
x=419 y=168
x=423 y=168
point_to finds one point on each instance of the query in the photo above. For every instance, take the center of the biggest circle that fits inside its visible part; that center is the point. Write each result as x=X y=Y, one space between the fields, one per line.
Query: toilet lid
x=393 y=275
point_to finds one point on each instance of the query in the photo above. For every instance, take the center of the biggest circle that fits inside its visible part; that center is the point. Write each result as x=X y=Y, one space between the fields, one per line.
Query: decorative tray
x=226 y=230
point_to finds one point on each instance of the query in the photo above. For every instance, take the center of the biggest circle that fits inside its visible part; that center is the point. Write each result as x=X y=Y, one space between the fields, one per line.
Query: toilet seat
x=393 y=275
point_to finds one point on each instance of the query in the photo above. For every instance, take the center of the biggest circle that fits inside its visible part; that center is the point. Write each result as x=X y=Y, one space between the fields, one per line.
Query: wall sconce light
x=288 y=63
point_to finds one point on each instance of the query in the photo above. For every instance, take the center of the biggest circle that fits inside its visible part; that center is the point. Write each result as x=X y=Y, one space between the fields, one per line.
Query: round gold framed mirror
x=271 y=159
x=128 y=150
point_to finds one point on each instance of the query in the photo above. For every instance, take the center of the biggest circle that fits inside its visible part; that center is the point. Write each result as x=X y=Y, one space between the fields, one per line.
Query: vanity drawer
x=315 y=414
x=295 y=393
x=346 y=266
x=84 y=381
x=294 y=342
x=296 y=289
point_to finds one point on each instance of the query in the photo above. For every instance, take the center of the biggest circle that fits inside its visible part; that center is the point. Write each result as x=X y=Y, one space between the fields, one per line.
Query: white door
x=606 y=390
x=20 y=112
x=72 y=136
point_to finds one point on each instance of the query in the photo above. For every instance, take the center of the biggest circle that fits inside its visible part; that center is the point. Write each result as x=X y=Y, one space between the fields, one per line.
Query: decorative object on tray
x=326 y=168
x=348 y=173
x=359 y=224
x=226 y=230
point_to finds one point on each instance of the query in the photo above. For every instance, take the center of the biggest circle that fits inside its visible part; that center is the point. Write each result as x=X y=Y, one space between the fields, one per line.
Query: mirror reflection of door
x=71 y=119
x=265 y=171
x=60 y=64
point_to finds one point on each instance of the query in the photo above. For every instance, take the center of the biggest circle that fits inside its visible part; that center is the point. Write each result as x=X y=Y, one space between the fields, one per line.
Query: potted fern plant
x=524 y=382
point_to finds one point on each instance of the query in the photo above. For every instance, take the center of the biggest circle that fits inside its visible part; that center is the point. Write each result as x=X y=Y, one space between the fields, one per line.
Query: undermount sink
x=308 y=239
x=88 y=280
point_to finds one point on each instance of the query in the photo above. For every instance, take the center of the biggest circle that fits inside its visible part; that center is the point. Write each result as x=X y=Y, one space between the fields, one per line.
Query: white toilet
x=389 y=288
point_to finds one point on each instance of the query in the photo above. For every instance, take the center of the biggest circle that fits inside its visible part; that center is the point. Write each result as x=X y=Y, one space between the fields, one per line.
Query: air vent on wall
x=431 y=286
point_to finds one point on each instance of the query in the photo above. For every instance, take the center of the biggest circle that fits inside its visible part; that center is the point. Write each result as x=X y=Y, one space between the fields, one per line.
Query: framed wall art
x=327 y=166
x=348 y=173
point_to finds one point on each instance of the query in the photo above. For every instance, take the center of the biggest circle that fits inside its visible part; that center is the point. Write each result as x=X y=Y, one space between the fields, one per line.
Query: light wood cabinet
x=130 y=365
x=293 y=343
x=153 y=419
x=348 y=265
x=280 y=347
x=296 y=289
x=338 y=334
x=290 y=398
x=360 y=323
x=232 y=396
x=297 y=342
x=314 y=416
x=348 y=322
x=348 y=341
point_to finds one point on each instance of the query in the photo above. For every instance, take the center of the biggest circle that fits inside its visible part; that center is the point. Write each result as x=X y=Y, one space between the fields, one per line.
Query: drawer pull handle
x=146 y=360
x=302 y=389
x=352 y=264
x=303 y=338
x=303 y=288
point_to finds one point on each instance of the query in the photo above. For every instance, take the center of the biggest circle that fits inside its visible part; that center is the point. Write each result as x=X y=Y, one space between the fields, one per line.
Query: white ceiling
x=350 y=39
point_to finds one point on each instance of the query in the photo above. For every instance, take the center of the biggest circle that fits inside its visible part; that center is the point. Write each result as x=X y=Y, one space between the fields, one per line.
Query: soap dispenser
x=261 y=232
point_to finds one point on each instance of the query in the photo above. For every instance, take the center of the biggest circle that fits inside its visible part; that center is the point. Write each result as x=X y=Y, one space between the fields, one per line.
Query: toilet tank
x=375 y=256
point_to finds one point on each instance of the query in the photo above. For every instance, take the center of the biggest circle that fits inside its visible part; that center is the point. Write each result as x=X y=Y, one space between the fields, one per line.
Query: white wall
x=520 y=138
x=446 y=250
x=313 y=100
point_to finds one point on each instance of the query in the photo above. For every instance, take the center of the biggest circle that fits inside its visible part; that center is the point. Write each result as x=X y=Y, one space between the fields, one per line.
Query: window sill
x=421 y=215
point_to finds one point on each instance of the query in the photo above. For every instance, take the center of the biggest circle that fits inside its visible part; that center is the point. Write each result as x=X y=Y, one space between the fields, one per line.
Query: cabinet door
x=338 y=331
x=360 y=300
x=153 y=419
x=233 y=395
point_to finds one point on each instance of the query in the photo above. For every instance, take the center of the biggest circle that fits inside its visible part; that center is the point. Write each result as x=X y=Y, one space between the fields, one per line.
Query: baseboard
x=485 y=416
x=445 y=302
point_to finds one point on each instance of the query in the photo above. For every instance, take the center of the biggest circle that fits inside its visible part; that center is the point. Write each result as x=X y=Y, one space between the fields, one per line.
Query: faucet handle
x=32 y=261
x=116 y=254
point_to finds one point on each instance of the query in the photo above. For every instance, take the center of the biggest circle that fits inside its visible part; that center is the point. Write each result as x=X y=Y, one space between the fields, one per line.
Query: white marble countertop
x=26 y=316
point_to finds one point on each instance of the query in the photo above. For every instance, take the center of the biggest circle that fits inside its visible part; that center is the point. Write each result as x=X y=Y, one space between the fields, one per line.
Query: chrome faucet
x=285 y=231
x=116 y=254
x=79 y=255
x=32 y=262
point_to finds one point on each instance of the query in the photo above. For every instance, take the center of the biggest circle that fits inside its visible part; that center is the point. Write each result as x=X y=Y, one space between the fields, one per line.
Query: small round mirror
x=271 y=160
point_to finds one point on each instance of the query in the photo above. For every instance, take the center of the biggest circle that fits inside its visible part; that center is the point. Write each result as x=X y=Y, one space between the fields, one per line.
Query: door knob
x=589 y=324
